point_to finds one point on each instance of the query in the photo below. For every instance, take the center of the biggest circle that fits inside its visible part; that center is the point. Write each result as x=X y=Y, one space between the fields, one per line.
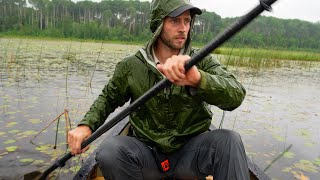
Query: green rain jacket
x=173 y=116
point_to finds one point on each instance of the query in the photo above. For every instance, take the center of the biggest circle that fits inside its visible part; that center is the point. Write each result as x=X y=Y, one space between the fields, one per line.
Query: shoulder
x=130 y=62
x=133 y=58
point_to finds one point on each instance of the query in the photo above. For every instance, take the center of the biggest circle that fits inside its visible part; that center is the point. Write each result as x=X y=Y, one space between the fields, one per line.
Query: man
x=170 y=137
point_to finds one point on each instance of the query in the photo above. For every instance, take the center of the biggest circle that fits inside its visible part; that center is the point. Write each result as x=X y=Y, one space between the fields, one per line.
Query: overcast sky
x=308 y=10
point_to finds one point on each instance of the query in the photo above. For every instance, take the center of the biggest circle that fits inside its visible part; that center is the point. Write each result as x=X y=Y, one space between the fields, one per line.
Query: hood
x=162 y=8
x=173 y=8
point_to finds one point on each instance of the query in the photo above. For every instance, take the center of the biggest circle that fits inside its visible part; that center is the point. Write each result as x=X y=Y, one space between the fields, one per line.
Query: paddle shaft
x=197 y=57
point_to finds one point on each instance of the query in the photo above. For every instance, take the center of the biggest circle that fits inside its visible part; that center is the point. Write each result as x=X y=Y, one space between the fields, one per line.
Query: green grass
x=251 y=62
x=242 y=52
x=269 y=54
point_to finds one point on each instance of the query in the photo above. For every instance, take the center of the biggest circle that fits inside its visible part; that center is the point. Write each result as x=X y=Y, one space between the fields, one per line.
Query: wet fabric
x=176 y=114
x=219 y=153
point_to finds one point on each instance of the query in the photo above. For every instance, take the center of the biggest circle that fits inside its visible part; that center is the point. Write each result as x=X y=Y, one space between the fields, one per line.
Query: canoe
x=90 y=170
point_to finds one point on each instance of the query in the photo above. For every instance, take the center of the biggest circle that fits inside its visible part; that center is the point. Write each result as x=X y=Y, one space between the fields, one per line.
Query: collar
x=155 y=58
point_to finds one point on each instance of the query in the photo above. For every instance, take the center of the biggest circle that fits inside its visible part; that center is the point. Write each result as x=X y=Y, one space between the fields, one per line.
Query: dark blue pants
x=219 y=153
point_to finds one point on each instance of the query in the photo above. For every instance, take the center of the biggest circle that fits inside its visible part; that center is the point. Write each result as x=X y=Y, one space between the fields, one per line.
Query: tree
x=40 y=5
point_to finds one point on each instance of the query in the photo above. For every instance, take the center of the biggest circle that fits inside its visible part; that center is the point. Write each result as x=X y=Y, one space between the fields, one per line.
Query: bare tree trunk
x=203 y=27
x=32 y=18
x=41 y=17
x=89 y=15
x=46 y=20
x=79 y=15
x=19 y=14
x=84 y=15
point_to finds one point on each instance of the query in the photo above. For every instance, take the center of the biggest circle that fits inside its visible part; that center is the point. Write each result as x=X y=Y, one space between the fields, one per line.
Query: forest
x=128 y=21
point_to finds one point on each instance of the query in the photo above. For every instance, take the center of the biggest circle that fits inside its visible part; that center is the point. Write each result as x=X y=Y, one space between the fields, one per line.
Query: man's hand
x=76 y=137
x=174 y=70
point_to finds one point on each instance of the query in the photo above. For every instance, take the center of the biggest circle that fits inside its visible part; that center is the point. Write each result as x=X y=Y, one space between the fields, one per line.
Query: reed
x=95 y=65
x=69 y=57
x=39 y=61
x=270 y=54
x=16 y=59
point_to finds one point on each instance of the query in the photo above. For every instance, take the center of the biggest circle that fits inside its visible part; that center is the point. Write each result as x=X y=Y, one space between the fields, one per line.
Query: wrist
x=197 y=80
x=84 y=127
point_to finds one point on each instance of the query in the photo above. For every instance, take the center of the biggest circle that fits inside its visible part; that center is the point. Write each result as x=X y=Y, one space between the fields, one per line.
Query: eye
x=187 y=21
x=174 y=21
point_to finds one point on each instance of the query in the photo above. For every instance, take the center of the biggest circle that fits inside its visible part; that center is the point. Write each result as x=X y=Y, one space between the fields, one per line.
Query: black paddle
x=219 y=40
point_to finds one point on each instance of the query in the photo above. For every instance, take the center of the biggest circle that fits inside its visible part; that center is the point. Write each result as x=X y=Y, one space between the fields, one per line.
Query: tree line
x=120 y=20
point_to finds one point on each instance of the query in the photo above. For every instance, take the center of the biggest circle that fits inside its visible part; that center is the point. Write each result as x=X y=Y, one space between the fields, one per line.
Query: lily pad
x=27 y=133
x=27 y=160
x=10 y=141
x=278 y=137
x=317 y=161
x=11 y=112
x=2 y=133
x=4 y=106
x=38 y=161
x=306 y=166
x=288 y=155
x=287 y=169
x=34 y=121
x=42 y=148
x=309 y=144
x=65 y=171
x=11 y=148
x=10 y=124
x=75 y=168
x=13 y=131
x=305 y=133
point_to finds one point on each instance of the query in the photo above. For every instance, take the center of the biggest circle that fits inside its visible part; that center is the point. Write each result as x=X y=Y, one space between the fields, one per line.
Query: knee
x=108 y=151
x=225 y=135
x=232 y=135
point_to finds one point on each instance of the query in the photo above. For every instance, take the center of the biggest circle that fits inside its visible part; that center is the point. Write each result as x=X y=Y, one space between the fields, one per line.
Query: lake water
x=39 y=79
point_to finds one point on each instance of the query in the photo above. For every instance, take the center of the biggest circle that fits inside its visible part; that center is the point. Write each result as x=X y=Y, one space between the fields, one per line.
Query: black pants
x=219 y=153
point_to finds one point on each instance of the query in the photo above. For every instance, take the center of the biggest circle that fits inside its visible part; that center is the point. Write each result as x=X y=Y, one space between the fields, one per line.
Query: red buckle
x=165 y=165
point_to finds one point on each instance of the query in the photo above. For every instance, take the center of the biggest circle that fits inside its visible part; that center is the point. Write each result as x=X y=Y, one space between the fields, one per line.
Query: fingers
x=173 y=68
x=85 y=149
x=75 y=146
x=171 y=71
x=76 y=137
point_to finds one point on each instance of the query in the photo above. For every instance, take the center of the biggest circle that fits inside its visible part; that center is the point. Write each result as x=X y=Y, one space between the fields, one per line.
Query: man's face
x=175 y=30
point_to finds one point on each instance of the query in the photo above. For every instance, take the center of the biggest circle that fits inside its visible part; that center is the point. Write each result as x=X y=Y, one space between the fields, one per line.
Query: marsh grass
x=269 y=54
x=69 y=57
x=39 y=62
x=95 y=65
x=259 y=58
x=252 y=62
x=20 y=64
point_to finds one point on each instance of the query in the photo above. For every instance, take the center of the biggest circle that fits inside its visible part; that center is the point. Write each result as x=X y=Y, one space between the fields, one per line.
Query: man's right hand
x=76 y=137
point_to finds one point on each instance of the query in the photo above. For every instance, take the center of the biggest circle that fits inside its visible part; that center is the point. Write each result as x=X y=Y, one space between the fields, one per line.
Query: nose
x=183 y=27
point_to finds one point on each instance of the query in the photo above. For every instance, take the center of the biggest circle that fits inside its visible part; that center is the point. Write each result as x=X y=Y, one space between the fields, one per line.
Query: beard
x=169 y=41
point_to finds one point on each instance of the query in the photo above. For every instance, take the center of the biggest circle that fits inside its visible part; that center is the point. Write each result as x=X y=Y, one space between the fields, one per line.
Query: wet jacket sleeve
x=113 y=95
x=218 y=86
